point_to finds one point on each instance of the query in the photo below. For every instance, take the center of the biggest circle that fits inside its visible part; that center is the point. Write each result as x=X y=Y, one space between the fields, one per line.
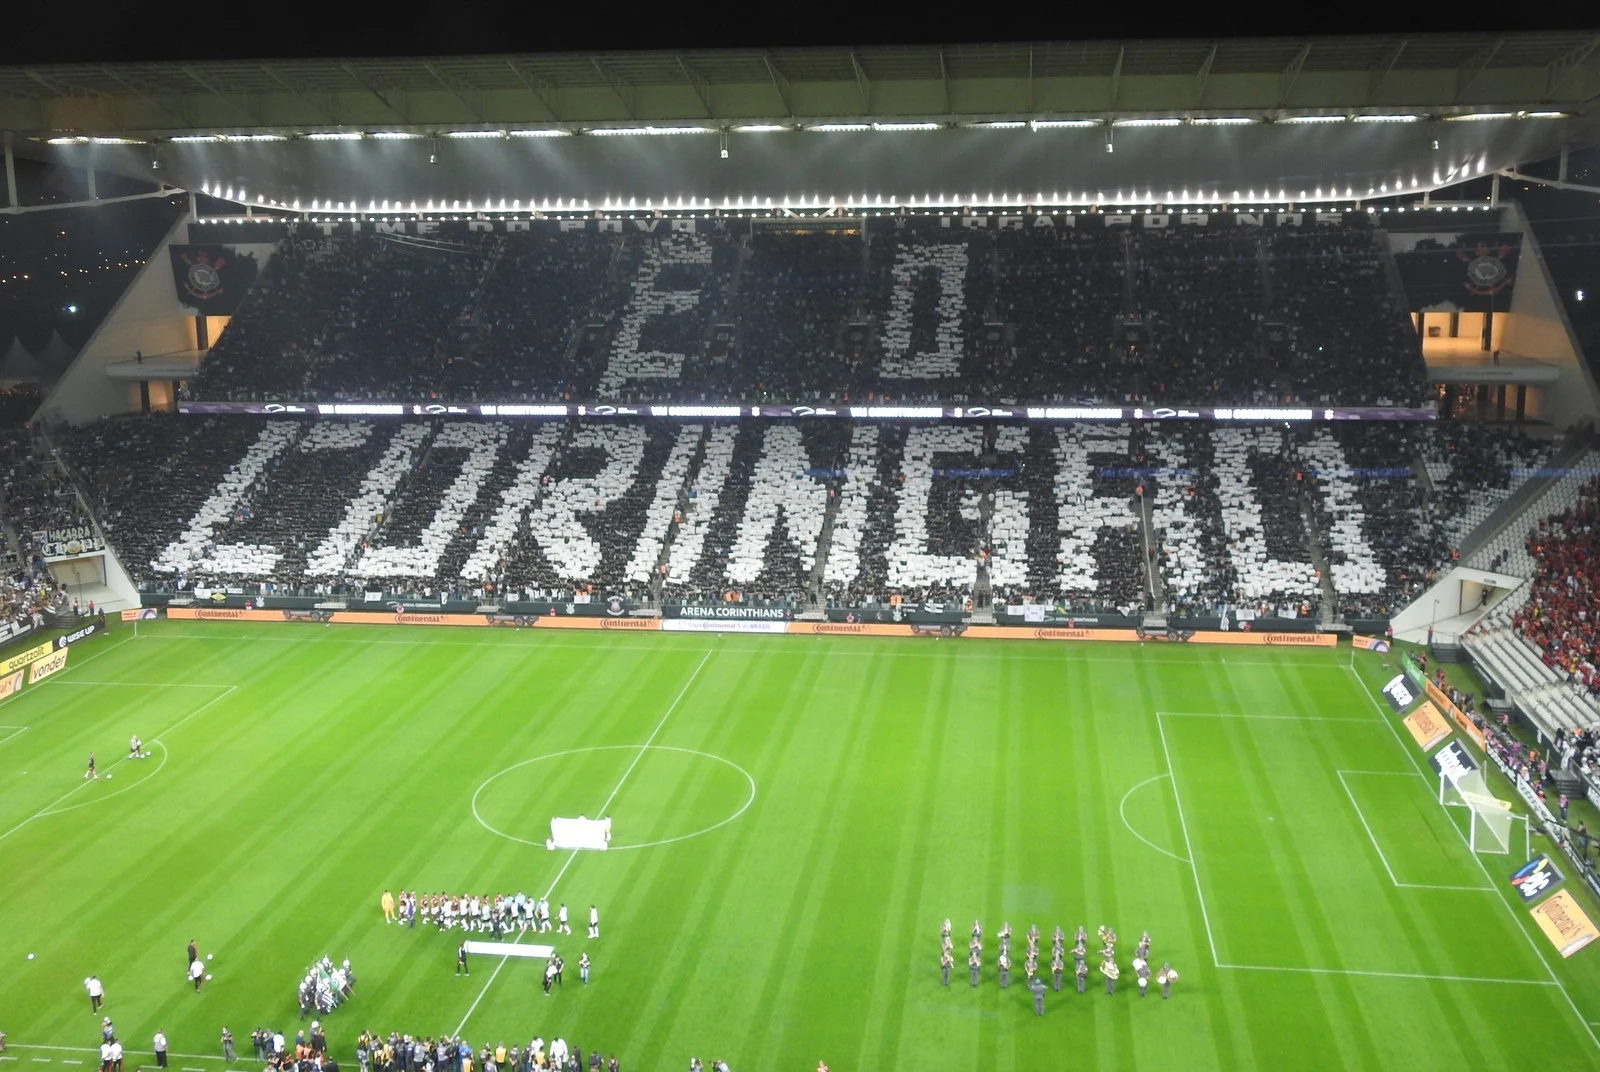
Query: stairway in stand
x=1330 y=598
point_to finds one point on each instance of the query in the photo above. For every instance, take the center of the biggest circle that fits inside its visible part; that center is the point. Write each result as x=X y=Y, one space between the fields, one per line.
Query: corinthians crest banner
x=1472 y=271
x=212 y=280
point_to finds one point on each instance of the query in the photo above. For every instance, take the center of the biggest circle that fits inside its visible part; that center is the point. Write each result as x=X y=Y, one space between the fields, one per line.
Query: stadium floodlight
x=892 y=127
x=183 y=139
x=1312 y=119
x=1473 y=117
x=1541 y=115
x=1062 y=124
x=1153 y=121
x=333 y=135
x=1388 y=118
x=393 y=135
x=474 y=133
x=1000 y=124
x=760 y=128
x=1222 y=121
x=625 y=131
x=541 y=132
x=838 y=128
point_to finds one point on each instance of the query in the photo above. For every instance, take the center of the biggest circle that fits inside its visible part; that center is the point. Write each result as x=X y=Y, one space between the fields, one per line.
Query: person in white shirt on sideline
x=159 y=1046
x=594 y=922
x=197 y=973
x=97 y=992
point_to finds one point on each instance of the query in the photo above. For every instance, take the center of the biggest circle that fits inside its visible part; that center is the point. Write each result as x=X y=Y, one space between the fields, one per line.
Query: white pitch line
x=147 y=684
x=1122 y=811
x=1260 y=718
x=1516 y=919
x=1364 y=825
x=601 y=813
x=1187 y=844
x=1392 y=975
x=70 y=1061
x=95 y=1050
x=1379 y=849
x=53 y=805
x=918 y=651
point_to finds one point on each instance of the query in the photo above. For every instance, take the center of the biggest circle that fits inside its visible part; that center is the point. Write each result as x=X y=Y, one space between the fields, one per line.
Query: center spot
x=667 y=794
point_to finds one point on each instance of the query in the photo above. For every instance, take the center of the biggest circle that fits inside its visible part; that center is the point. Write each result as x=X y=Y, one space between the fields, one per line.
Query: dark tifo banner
x=212 y=280
x=1470 y=271
x=909 y=613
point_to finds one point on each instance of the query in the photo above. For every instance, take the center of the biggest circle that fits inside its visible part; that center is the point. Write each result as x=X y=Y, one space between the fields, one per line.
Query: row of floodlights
x=1103 y=210
x=821 y=128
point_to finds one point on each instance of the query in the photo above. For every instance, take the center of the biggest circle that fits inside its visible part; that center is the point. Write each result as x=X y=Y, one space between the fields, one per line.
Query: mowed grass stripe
x=978 y=772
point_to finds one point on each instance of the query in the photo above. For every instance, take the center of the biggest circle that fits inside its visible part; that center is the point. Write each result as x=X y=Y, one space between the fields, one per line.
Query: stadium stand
x=1347 y=341
x=1184 y=316
x=796 y=293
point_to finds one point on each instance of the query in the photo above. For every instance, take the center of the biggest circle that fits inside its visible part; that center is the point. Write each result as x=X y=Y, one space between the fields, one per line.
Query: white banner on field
x=580 y=833
x=511 y=949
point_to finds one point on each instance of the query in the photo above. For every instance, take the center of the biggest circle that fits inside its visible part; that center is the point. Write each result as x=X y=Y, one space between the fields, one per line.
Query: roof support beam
x=702 y=88
x=183 y=120
x=1474 y=67
x=370 y=88
x=1291 y=75
x=1559 y=69
x=1380 y=73
x=249 y=112
x=460 y=93
x=862 y=84
x=45 y=82
x=944 y=77
x=1116 y=77
x=324 y=112
x=542 y=89
x=780 y=83
x=619 y=85
x=1203 y=75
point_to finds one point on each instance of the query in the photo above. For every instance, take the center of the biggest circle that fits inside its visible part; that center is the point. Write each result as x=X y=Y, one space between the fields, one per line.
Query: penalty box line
x=1384 y=859
x=573 y=855
x=1517 y=920
x=53 y=805
x=1427 y=976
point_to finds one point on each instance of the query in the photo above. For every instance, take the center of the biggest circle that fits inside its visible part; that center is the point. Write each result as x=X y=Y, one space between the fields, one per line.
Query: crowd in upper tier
x=1178 y=317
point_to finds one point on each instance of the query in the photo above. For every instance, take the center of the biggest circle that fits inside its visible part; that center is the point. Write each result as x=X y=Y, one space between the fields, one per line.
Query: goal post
x=1490 y=820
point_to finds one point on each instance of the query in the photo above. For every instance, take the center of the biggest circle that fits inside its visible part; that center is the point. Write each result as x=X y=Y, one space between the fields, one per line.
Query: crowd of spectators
x=1347 y=342
x=1562 y=614
x=1203 y=306
x=1183 y=316
x=18 y=403
x=396 y=1052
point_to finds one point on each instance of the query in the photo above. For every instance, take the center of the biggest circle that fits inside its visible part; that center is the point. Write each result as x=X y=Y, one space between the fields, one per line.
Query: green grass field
x=793 y=818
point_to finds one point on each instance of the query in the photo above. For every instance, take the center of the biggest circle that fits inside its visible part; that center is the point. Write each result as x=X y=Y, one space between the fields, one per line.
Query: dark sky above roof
x=241 y=29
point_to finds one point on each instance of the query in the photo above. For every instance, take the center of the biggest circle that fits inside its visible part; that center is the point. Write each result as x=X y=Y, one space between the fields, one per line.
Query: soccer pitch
x=794 y=816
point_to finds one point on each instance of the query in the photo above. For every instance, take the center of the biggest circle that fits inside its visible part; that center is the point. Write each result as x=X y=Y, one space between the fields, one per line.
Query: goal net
x=1461 y=785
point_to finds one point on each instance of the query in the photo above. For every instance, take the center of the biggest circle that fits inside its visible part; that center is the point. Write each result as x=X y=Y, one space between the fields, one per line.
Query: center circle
x=507 y=806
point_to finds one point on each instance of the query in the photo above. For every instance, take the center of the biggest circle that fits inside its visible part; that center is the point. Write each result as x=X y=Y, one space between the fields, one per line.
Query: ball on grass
x=208 y=977
x=108 y=777
x=30 y=956
x=208 y=956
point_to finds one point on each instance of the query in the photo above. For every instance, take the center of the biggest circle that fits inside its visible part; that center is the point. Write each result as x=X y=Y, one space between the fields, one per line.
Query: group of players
x=498 y=914
x=1165 y=977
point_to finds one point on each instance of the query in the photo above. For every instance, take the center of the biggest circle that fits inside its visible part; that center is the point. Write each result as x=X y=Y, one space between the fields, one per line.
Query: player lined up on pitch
x=1032 y=978
x=496 y=914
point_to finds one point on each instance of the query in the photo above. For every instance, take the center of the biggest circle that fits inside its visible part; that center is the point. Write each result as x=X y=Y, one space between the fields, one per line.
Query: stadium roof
x=1437 y=73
